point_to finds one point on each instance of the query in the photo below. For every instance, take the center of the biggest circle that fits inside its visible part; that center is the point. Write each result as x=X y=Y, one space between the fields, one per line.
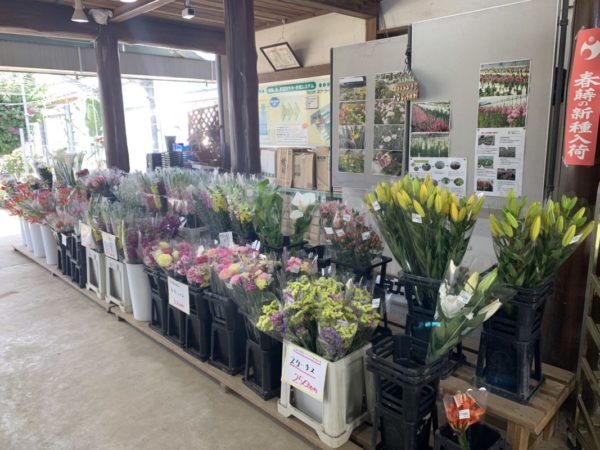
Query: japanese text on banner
x=583 y=102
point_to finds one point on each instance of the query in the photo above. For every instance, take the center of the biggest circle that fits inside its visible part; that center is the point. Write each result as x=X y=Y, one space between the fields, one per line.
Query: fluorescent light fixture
x=128 y=1
x=79 y=15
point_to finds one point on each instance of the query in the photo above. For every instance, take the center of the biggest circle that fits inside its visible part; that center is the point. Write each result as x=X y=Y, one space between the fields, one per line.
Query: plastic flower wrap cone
x=463 y=410
x=532 y=243
x=464 y=302
x=424 y=225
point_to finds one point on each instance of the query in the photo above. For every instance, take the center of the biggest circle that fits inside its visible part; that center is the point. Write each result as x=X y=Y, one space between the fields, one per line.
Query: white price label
x=328 y=230
x=464 y=414
x=347 y=217
x=376 y=205
x=63 y=239
x=339 y=232
x=575 y=239
x=465 y=296
x=366 y=235
x=179 y=295
x=304 y=371
x=226 y=239
x=376 y=303
x=417 y=218
x=256 y=245
x=109 y=241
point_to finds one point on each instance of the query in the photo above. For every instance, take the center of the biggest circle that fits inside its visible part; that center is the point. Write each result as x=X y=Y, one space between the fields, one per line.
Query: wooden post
x=242 y=82
x=563 y=317
x=111 y=99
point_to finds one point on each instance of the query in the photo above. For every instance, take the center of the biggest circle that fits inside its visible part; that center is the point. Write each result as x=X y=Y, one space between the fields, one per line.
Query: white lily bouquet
x=464 y=302
x=302 y=208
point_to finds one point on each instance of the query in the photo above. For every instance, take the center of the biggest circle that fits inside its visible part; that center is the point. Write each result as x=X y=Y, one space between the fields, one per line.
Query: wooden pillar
x=563 y=318
x=111 y=99
x=242 y=81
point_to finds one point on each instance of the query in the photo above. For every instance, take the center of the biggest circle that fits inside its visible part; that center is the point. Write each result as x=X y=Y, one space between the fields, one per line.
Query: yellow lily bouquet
x=531 y=244
x=424 y=225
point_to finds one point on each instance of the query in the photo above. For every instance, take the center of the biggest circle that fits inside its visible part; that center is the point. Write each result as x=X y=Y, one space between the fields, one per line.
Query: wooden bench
x=525 y=425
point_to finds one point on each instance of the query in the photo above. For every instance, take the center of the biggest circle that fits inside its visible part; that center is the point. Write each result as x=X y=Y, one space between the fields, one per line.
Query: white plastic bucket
x=49 y=245
x=36 y=239
x=139 y=288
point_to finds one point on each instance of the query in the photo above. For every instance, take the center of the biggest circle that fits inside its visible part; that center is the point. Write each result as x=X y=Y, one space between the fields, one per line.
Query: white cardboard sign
x=179 y=295
x=87 y=240
x=109 y=242
x=226 y=239
x=304 y=371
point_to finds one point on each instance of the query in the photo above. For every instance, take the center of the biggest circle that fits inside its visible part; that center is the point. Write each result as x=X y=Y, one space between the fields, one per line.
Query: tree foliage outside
x=12 y=114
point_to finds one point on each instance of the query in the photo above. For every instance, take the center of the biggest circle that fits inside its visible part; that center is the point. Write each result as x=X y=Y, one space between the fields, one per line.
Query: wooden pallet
x=525 y=425
x=226 y=382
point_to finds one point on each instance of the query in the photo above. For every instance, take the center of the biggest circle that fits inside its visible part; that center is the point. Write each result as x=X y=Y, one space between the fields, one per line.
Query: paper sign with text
x=304 y=371
x=226 y=239
x=179 y=295
x=87 y=239
x=583 y=101
x=109 y=242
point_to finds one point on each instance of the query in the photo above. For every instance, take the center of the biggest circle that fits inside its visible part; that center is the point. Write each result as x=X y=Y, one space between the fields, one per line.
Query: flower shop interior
x=226 y=224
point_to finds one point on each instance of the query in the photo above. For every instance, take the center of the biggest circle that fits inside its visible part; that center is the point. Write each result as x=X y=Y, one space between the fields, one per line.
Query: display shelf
x=226 y=382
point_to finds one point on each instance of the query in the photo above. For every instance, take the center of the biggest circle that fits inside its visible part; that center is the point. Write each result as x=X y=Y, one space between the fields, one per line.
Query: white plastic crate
x=96 y=272
x=348 y=401
x=117 y=285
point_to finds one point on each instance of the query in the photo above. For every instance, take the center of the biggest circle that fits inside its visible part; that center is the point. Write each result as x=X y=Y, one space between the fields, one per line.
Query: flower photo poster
x=351 y=130
x=388 y=129
x=501 y=119
x=429 y=150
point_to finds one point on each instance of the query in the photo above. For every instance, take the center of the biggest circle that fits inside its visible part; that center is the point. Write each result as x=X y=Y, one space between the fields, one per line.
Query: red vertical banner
x=583 y=101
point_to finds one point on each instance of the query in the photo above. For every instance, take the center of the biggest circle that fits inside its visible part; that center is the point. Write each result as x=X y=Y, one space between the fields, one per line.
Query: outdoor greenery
x=12 y=114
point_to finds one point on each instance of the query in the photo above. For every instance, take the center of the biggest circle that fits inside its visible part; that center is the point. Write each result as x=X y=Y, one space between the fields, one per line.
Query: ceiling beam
x=363 y=9
x=131 y=10
x=52 y=20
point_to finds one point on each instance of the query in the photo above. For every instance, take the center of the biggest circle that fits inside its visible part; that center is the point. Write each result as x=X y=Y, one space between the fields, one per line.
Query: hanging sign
x=304 y=371
x=179 y=295
x=583 y=101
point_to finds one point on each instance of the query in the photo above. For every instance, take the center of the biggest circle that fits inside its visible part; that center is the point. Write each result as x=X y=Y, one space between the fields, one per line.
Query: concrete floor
x=72 y=377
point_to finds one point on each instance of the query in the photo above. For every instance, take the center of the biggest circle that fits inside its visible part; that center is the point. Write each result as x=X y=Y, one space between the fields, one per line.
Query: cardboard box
x=304 y=170
x=268 y=162
x=322 y=155
x=285 y=167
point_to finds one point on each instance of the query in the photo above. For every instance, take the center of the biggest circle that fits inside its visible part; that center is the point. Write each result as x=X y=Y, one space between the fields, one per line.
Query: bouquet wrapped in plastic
x=464 y=410
x=464 y=302
x=348 y=236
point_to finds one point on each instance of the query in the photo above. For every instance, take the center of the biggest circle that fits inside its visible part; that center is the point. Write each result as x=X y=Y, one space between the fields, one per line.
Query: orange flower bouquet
x=464 y=410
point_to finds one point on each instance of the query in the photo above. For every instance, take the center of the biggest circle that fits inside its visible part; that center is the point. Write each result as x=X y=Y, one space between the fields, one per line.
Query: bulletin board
x=295 y=113
x=451 y=55
x=358 y=143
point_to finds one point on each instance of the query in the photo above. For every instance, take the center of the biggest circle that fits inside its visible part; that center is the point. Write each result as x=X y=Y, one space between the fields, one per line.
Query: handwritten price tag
x=109 y=241
x=179 y=295
x=328 y=230
x=63 y=239
x=416 y=218
x=304 y=371
x=376 y=205
x=226 y=239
